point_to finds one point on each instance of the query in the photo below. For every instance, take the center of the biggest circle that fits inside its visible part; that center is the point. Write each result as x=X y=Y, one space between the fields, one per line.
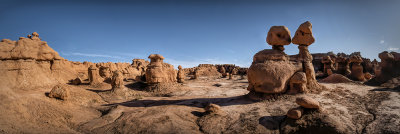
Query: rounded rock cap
x=156 y=56
x=303 y=35
x=278 y=35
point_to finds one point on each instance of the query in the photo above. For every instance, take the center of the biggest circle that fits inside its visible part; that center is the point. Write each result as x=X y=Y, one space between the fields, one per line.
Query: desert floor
x=347 y=108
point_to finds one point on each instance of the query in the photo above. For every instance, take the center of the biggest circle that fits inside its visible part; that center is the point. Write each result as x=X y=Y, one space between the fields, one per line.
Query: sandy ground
x=347 y=108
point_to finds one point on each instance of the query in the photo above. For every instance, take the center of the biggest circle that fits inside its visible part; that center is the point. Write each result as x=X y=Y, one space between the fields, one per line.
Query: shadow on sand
x=195 y=102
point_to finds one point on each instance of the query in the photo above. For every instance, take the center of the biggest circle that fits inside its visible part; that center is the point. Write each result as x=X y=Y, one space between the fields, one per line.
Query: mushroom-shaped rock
x=298 y=83
x=303 y=35
x=117 y=80
x=159 y=72
x=308 y=102
x=295 y=113
x=59 y=92
x=357 y=68
x=278 y=36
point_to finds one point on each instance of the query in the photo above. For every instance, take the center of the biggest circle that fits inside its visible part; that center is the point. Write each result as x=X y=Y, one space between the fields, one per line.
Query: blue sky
x=190 y=32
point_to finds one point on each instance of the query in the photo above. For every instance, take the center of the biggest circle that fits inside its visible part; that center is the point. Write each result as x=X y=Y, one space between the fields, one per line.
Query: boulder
x=76 y=81
x=304 y=34
x=59 y=92
x=270 y=72
x=308 y=102
x=278 y=36
x=298 y=83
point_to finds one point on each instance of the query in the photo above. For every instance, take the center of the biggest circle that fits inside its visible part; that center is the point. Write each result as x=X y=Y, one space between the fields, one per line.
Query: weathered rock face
x=356 y=68
x=328 y=65
x=94 y=77
x=159 y=72
x=117 y=80
x=105 y=72
x=278 y=36
x=270 y=72
x=181 y=74
x=59 y=92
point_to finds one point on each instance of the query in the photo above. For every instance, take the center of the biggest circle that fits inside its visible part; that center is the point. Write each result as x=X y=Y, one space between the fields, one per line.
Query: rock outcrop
x=356 y=68
x=117 y=80
x=207 y=70
x=328 y=65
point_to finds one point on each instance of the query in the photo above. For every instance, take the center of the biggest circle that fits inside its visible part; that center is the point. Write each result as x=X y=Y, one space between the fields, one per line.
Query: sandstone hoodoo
x=271 y=69
x=343 y=66
x=304 y=37
x=272 y=72
x=356 y=68
x=181 y=74
x=94 y=77
x=59 y=92
x=159 y=73
x=117 y=80
x=328 y=65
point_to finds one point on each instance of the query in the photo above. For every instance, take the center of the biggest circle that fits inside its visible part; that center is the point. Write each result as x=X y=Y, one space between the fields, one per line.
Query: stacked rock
x=305 y=103
x=271 y=68
x=305 y=38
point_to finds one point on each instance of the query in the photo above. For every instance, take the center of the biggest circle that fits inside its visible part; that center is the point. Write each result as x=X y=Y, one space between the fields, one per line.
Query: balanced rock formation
x=278 y=36
x=304 y=38
x=308 y=102
x=158 y=72
x=94 y=76
x=59 y=92
x=356 y=68
x=181 y=74
x=271 y=69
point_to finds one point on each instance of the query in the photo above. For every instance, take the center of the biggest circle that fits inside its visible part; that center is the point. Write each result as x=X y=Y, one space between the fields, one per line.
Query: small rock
x=295 y=113
x=308 y=102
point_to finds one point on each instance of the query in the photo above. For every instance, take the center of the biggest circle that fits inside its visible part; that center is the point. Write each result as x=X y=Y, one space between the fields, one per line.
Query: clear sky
x=189 y=32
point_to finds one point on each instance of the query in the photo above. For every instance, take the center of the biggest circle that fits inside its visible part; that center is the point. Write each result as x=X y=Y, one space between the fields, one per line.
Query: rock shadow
x=195 y=102
x=271 y=122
